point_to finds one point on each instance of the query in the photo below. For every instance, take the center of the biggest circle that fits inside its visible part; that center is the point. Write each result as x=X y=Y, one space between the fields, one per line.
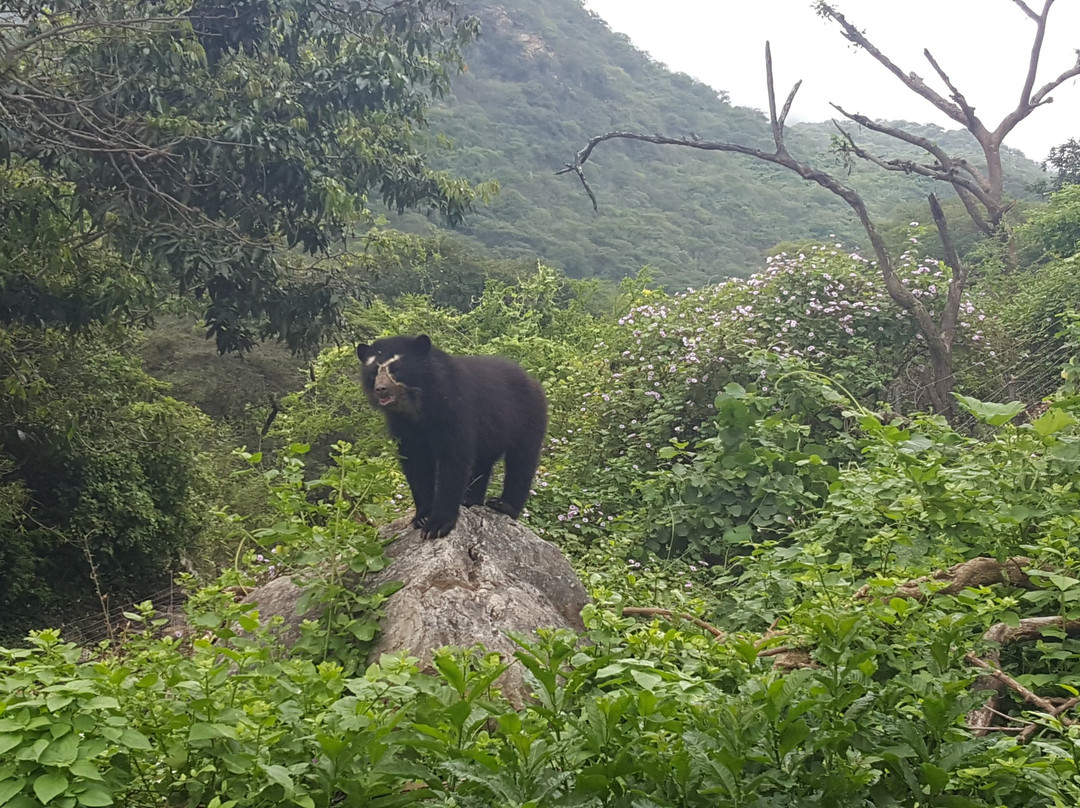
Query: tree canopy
x=208 y=140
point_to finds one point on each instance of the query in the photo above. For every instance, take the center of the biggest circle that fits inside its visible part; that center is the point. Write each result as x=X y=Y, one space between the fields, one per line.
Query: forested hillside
x=546 y=75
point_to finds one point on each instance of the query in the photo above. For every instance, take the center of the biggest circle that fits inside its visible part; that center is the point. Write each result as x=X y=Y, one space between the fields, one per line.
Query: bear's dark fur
x=453 y=417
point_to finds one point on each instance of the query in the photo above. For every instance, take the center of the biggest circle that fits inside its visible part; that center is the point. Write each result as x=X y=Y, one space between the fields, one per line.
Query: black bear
x=453 y=417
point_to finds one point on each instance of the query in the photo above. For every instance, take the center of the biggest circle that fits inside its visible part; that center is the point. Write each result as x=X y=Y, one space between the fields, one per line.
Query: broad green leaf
x=61 y=752
x=85 y=769
x=57 y=701
x=1053 y=420
x=9 y=788
x=9 y=741
x=48 y=786
x=988 y=412
x=280 y=775
x=204 y=731
x=102 y=703
x=95 y=797
x=935 y=776
x=133 y=739
x=646 y=680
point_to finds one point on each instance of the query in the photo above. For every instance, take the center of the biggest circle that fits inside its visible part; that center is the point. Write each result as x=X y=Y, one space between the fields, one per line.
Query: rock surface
x=490 y=576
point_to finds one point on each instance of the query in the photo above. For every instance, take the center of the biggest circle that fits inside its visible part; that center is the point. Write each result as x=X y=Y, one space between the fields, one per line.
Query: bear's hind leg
x=520 y=467
x=477 y=490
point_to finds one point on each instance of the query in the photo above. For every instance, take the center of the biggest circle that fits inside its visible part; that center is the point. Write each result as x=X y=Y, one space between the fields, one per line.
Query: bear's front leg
x=418 y=464
x=451 y=480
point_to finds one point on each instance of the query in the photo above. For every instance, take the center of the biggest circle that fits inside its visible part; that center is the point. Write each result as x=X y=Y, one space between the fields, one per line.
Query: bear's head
x=393 y=372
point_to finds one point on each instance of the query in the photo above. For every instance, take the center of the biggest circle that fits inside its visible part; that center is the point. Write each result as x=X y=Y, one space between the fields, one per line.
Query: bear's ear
x=363 y=352
x=422 y=345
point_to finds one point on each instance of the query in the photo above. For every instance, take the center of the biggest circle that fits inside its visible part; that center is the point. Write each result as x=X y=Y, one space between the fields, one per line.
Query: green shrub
x=112 y=479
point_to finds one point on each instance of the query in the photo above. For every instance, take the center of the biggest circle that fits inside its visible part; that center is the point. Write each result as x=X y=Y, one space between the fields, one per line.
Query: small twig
x=648 y=611
x=103 y=597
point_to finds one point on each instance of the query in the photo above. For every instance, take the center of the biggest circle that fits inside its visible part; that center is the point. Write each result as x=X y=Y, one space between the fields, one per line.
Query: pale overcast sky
x=983 y=45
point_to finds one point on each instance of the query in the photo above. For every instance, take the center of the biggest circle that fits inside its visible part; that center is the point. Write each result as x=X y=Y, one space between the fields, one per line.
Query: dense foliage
x=205 y=140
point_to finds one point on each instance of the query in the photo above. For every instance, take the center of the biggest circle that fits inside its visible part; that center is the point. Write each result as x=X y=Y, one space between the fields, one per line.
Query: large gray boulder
x=490 y=576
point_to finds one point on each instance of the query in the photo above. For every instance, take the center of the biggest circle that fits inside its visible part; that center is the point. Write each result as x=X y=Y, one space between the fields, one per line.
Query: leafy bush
x=112 y=479
x=926 y=495
x=323 y=530
x=641 y=713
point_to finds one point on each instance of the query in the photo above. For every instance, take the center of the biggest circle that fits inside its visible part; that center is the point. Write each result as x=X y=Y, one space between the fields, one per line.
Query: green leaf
x=792 y=735
x=102 y=703
x=95 y=797
x=1053 y=420
x=57 y=701
x=61 y=752
x=990 y=413
x=935 y=776
x=85 y=769
x=203 y=731
x=646 y=680
x=247 y=622
x=9 y=788
x=280 y=775
x=9 y=741
x=48 y=786
x=1063 y=582
x=133 y=739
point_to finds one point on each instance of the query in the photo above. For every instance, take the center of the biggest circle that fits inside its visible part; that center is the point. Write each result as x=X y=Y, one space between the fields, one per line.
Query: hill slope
x=547 y=74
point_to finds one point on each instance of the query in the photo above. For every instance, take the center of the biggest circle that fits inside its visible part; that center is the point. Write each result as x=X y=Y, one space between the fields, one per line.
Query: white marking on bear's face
x=370 y=360
x=393 y=358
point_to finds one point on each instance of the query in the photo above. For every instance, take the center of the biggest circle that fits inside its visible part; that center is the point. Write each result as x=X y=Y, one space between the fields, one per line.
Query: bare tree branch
x=972 y=192
x=778 y=121
x=1029 y=731
x=962 y=102
x=1027 y=9
x=951 y=314
x=911 y=80
x=1036 y=52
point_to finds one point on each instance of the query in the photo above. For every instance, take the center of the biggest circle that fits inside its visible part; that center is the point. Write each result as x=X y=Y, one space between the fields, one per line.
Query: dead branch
x=950 y=316
x=997 y=682
x=960 y=109
x=946 y=168
x=645 y=611
x=975 y=573
x=910 y=80
x=1029 y=731
x=1029 y=696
